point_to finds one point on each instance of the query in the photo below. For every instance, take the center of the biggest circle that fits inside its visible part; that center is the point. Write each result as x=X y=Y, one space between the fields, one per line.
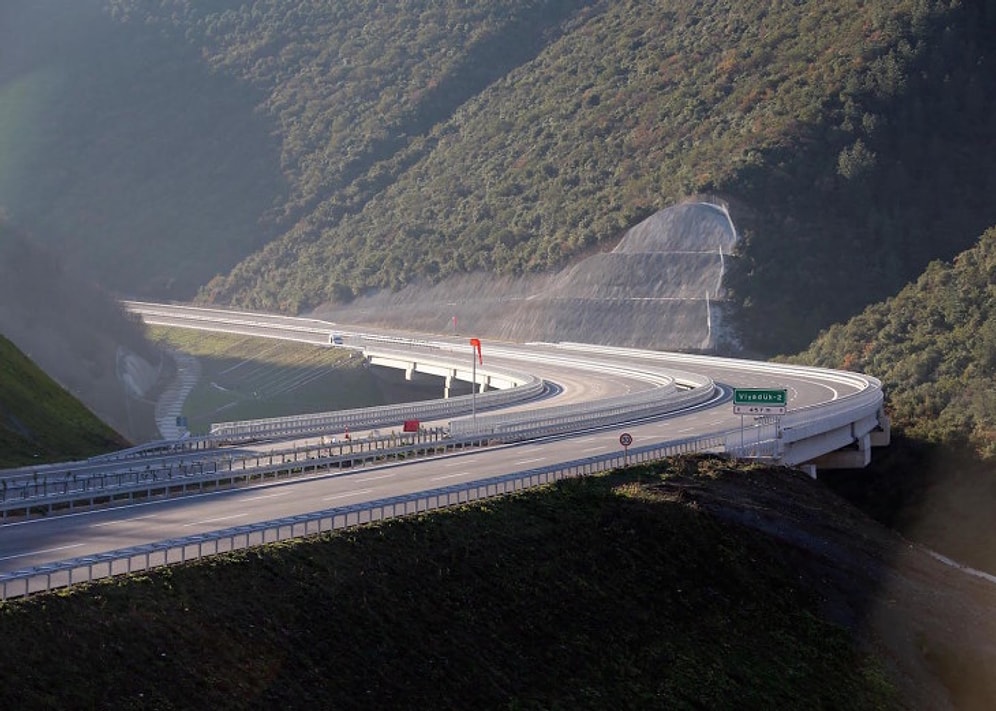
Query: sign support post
x=758 y=402
x=475 y=350
x=625 y=439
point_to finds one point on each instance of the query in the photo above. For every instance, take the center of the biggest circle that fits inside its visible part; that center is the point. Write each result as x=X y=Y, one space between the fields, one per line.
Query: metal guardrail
x=65 y=490
x=767 y=439
x=178 y=550
x=45 y=492
x=807 y=421
x=528 y=387
x=43 y=497
x=598 y=413
x=764 y=440
x=140 y=473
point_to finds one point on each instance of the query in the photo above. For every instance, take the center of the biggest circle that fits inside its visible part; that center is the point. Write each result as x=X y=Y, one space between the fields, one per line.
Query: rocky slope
x=659 y=287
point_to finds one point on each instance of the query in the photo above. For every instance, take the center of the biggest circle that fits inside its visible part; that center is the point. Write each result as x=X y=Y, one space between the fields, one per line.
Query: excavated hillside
x=660 y=287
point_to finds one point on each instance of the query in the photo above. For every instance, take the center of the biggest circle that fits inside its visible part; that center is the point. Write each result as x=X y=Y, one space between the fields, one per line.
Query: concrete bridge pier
x=857 y=455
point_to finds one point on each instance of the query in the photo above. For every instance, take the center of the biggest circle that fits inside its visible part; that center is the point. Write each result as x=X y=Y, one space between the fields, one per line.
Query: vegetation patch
x=933 y=346
x=243 y=377
x=40 y=421
x=595 y=593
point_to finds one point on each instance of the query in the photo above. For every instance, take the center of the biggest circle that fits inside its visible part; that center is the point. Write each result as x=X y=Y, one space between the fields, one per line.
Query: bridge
x=539 y=412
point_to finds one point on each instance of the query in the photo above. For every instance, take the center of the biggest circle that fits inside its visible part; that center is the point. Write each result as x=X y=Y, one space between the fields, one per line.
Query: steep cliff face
x=660 y=287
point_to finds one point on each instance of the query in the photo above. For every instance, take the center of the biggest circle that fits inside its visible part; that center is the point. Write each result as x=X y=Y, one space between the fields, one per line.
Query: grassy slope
x=598 y=593
x=245 y=378
x=40 y=421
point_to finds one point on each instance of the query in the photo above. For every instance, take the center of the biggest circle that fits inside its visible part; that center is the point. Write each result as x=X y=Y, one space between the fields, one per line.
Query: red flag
x=476 y=343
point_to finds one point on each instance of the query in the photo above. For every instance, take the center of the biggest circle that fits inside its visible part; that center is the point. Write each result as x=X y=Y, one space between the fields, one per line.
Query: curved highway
x=36 y=542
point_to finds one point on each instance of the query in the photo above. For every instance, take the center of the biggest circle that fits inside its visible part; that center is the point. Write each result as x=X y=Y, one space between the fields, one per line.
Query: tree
x=855 y=160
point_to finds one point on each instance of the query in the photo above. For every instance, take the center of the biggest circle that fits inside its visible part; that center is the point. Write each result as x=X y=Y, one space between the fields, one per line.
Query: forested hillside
x=122 y=153
x=933 y=346
x=795 y=111
x=336 y=148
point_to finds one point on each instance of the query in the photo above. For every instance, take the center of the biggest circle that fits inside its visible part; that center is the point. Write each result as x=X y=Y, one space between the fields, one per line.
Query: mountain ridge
x=819 y=123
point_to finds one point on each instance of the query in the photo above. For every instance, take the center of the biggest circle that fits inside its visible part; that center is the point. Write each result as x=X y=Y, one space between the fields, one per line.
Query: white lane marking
x=458 y=462
x=268 y=496
x=348 y=493
x=599 y=448
x=118 y=522
x=530 y=461
x=46 y=550
x=215 y=520
x=375 y=478
x=449 y=476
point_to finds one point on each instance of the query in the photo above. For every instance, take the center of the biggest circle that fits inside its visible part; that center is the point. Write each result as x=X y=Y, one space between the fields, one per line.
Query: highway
x=581 y=374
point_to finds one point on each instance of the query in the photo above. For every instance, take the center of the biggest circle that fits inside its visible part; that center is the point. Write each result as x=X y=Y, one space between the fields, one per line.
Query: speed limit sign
x=625 y=439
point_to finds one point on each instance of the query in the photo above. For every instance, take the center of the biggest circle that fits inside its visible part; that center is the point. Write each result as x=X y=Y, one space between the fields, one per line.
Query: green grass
x=40 y=421
x=248 y=378
x=593 y=594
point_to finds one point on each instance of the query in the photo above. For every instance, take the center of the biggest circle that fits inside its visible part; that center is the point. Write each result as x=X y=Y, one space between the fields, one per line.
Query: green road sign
x=760 y=401
x=756 y=396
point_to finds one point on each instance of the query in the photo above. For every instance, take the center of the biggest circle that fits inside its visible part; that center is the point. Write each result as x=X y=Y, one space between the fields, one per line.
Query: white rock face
x=661 y=287
x=135 y=374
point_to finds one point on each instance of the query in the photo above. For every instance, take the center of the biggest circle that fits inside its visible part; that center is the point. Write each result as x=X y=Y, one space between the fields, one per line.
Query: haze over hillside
x=123 y=153
x=387 y=165
x=310 y=153
x=660 y=287
x=77 y=334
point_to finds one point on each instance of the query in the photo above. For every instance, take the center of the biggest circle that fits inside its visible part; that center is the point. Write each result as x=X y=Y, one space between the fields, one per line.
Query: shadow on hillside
x=75 y=332
x=819 y=246
x=919 y=489
x=932 y=622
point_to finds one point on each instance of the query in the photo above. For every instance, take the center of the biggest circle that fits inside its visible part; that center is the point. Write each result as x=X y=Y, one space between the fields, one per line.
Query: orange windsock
x=476 y=343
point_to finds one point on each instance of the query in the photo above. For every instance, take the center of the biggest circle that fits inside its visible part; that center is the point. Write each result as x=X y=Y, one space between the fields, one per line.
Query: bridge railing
x=528 y=387
x=129 y=560
x=50 y=490
x=863 y=405
x=141 y=474
x=65 y=492
x=596 y=413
